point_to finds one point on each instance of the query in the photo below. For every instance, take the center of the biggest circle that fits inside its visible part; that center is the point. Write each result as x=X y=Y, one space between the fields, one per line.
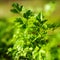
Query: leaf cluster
x=30 y=35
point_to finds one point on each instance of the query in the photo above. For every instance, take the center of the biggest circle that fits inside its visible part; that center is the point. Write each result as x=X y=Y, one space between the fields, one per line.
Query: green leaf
x=28 y=14
x=24 y=26
x=20 y=8
x=43 y=21
x=38 y=17
x=19 y=20
x=15 y=5
x=14 y=11
x=36 y=24
x=16 y=8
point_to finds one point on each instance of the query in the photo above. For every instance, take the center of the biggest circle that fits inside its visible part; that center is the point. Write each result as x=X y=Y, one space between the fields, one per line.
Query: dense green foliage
x=5 y=36
x=29 y=37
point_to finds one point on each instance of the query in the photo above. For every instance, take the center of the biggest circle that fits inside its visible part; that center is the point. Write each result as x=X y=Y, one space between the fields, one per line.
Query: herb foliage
x=30 y=37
